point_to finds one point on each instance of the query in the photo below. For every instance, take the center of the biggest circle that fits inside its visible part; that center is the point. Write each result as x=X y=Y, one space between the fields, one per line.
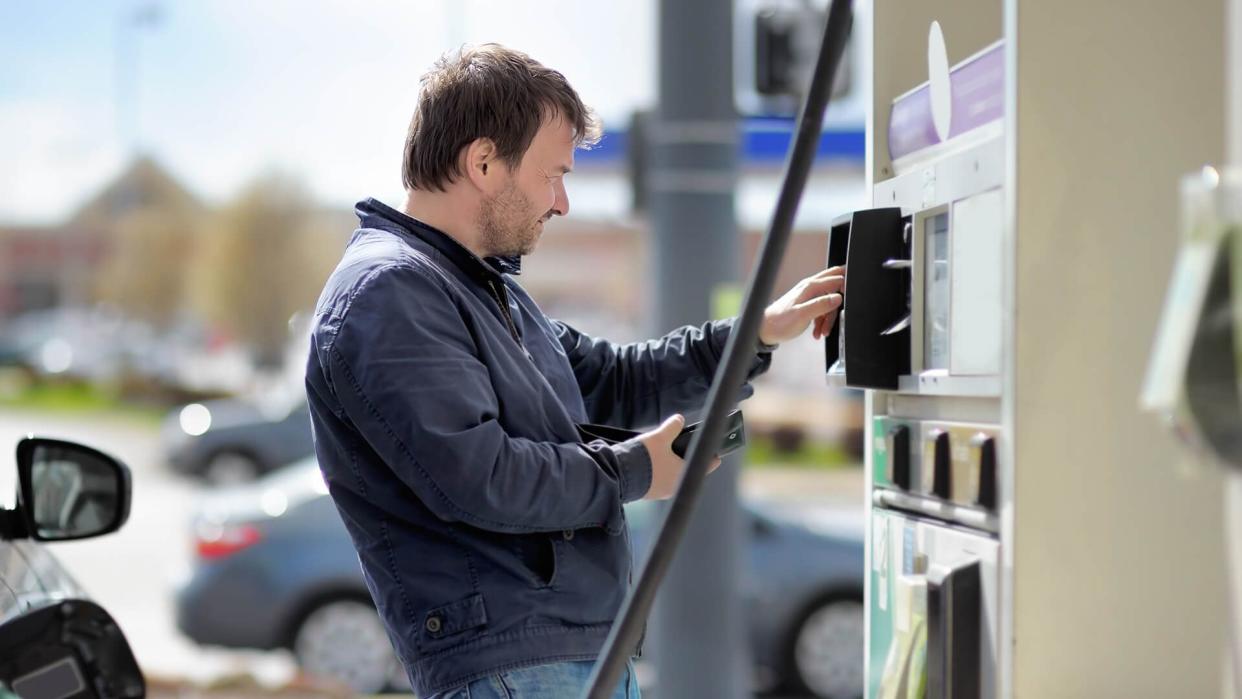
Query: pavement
x=134 y=572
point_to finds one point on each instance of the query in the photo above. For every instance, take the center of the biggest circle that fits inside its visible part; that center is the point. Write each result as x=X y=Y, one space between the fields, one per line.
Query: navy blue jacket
x=444 y=405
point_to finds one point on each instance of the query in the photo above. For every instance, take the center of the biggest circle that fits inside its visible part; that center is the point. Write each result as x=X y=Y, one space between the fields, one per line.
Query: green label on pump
x=897 y=597
x=879 y=452
x=879 y=595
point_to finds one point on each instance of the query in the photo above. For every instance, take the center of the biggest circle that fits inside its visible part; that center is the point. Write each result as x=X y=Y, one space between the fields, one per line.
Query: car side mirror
x=69 y=491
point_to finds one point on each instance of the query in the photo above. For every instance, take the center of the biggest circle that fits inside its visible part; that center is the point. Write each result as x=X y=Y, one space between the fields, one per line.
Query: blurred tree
x=259 y=263
x=150 y=223
x=144 y=273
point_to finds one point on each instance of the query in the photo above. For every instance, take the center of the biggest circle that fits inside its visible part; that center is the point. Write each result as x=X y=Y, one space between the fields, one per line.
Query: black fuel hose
x=738 y=355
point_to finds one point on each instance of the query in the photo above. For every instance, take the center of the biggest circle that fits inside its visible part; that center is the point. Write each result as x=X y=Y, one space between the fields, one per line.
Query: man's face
x=511 y=221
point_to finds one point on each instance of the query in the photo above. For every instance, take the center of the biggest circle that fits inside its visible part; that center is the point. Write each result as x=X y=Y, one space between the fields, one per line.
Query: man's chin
x=534 y=241
x=520 y=252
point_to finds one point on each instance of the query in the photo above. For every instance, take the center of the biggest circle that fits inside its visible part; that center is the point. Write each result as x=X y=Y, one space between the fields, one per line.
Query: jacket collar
x=373 y=213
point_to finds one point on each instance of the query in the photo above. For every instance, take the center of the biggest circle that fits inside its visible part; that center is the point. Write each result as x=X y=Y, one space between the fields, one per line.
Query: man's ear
x=482 y=166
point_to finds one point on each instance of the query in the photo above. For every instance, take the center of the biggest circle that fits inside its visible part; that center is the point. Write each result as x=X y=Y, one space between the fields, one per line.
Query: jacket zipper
x=502 y=301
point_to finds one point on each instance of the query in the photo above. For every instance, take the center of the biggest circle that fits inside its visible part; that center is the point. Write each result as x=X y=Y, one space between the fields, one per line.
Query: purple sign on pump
x=910 y=127
x=977 y=97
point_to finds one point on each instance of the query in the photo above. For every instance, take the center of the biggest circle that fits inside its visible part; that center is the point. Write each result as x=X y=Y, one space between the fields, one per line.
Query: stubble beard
x=508 y=225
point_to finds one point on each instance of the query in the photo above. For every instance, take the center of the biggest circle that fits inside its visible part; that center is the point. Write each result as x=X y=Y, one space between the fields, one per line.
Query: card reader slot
x=954 y=602
x=875 y=357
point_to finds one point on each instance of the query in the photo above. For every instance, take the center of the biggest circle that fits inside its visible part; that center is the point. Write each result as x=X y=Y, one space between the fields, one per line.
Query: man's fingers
x=715 y=465
x=831 y=281
x=830 y=272
x=826 y=285
x=824 y=323
x=819 y=306
x=826 y=274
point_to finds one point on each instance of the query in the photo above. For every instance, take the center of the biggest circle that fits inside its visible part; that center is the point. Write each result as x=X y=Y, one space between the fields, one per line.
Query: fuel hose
x=738 y=355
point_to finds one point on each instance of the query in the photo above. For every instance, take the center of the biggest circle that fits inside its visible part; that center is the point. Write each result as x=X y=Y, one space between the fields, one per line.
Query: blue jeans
x=554 y=681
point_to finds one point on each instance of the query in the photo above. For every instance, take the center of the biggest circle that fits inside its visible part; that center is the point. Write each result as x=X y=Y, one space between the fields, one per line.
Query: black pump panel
x=877 y=300
x=898 y=438
x=954 y=643
x=838 y=248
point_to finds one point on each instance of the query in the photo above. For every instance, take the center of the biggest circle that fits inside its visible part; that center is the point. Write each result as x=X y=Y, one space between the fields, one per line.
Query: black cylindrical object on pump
x=738 y=354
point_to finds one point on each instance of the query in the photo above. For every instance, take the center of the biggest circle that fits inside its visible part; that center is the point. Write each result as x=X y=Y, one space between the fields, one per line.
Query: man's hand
x=816 y=298
x=666 y=467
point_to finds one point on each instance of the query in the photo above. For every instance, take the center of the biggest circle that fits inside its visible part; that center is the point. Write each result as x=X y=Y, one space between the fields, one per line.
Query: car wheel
x=828 y=650
x=344 y=641
x=226 y=468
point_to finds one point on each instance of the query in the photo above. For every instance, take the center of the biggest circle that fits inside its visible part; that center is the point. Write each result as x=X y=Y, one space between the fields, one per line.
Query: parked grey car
x=230 y=441
x=54 y=641
x=275 y=568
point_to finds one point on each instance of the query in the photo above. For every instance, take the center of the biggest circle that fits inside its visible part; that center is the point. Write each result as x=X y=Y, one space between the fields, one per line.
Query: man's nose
x=560 y=206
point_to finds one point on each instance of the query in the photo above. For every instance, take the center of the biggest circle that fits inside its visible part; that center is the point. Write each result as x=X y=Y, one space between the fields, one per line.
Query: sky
x=221 y=91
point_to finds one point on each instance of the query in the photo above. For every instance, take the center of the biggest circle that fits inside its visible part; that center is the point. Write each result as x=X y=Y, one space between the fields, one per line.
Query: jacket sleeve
x=644 y=382
x=406 y=371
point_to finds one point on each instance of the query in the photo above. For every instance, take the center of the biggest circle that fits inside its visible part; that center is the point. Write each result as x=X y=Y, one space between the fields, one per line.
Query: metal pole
x=127 y=42
x=738 y=355
x=697 y=632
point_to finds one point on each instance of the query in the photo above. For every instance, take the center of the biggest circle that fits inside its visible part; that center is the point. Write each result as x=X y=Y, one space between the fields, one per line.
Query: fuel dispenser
x=1026 y=537
x=1002 y=489
x=921 y=327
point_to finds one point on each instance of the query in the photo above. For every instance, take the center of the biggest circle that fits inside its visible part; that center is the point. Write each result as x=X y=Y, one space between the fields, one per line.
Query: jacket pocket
x=537 y=552
x=454 y=618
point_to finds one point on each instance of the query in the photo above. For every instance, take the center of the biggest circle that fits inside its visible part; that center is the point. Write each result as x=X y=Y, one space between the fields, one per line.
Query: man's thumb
x=673 y=424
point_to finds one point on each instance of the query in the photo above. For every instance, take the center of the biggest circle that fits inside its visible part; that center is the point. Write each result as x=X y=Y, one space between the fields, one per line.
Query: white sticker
x=879 y=539
x=880 y=559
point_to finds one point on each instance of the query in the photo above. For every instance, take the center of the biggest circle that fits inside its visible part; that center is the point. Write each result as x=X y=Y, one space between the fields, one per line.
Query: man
x=445 y=404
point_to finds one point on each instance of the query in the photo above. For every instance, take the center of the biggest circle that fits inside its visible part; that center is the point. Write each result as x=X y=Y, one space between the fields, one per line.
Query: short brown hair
x=486 y=91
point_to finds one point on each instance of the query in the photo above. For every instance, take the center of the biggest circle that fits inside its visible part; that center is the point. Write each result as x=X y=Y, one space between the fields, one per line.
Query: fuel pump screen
x=936 y=292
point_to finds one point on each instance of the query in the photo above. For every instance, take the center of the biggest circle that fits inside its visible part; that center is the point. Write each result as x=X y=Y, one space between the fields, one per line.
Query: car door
x=12 y=565
x=34 y=576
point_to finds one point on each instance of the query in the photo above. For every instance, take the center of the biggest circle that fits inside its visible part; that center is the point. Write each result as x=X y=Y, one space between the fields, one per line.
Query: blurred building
x=50 y=266
x=43 y=267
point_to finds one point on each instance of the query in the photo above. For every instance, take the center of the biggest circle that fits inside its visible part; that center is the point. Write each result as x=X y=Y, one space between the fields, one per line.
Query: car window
x=43 y=573
x=9 y=562
x=18 y=575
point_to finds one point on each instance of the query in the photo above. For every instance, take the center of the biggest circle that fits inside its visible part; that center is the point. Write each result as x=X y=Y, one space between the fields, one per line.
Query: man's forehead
x=558 y=131
x=555 y=140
